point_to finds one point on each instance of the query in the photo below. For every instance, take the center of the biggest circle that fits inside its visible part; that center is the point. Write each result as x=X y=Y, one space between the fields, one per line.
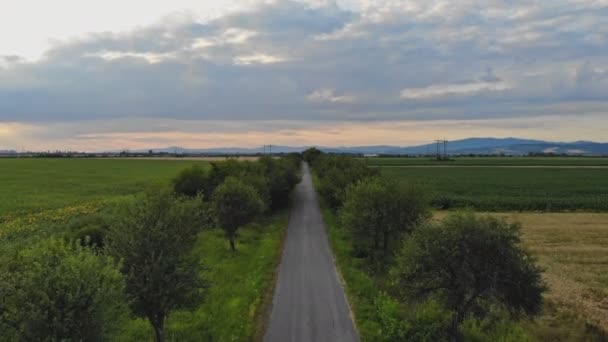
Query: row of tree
x=61 y=289
x=438 y=277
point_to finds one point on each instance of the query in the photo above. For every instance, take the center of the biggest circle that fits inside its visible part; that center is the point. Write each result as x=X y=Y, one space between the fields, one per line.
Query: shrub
x=90 y=230
x=469 y=263
x=92 y=236
x=191 y=182
x=58 y=291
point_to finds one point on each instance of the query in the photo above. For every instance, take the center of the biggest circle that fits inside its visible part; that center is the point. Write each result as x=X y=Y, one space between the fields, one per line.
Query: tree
x=282 y=176
x=378 y=211
x=470 y=264
x=191 y=181
x=336 y=174
x=235 y=204
x=153 y=241
x=56 y=291
x=311 y=155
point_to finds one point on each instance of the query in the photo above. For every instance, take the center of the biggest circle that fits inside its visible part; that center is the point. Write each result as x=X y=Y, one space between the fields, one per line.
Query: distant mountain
x=508 y=146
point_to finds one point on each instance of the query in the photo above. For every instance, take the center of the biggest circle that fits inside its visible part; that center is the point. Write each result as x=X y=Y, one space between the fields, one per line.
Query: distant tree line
x=464 y=277
x=77 y=288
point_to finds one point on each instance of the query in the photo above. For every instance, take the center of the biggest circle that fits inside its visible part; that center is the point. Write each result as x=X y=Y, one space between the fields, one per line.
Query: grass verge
x=239 y=285
x=360 y=289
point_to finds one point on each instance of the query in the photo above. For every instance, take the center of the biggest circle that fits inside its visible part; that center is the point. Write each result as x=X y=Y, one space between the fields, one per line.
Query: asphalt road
x=309 y=303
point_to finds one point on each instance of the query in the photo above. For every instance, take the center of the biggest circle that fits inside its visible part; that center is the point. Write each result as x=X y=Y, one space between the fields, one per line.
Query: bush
x=422 y=322
x=92 y=237
x=90 y=230
x=378 y=211
x=191 y=182
x=469 y=264
x=58 y=291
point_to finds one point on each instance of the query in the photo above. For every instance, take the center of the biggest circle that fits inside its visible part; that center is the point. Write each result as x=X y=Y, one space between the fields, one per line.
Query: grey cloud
x=549 y=55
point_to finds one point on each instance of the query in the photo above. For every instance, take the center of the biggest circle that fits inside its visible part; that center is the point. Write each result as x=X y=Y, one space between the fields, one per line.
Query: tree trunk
x=232 y=248
x=159 y=329
x=453 y=332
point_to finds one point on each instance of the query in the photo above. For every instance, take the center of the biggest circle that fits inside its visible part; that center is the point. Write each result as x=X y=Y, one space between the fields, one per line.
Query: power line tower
x=442 y=155
x=269 y=149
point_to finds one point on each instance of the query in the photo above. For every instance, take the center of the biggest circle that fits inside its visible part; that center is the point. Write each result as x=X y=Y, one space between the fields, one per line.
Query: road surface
x=309 y=304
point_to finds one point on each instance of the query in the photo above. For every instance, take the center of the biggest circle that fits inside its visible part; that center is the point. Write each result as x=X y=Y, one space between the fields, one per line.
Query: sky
x=107 y=75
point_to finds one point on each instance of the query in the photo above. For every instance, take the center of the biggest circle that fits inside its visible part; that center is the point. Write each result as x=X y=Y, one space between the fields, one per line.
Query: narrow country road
x=309 y=303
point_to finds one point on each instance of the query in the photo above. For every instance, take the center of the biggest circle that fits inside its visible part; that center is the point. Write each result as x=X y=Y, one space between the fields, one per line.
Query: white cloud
x=259 y=58
x=452 y=89
x=329 y=95
x=149 y=57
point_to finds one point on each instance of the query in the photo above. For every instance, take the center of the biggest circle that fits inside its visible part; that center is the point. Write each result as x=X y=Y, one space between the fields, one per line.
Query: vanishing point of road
x=309 y=303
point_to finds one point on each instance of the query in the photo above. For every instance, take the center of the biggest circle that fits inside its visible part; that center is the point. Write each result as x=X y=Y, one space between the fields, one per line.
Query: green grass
x=360 y=287
x=491 y=161
x=500 y=189
x=41 y=198
x=239 y=287
x=34 y=184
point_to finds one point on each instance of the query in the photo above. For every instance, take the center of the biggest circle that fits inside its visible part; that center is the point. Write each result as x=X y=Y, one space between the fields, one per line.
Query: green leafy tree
x=311 y=155
x=336 y=174
x=154 y=241
x=191 y=182
x=235 y=204
x=282 y=176
x=471 y=264
x=57 y=291
x=378 y=211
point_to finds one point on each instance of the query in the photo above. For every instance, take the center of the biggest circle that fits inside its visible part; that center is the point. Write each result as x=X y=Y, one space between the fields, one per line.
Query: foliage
x=282 y=176
x=57 y=291
x=311 y=155
x=235 y=204
x=191 y=182
x=239 y=288
x=336 y=174
x=153 y=241
x=469 y=263
x=89 y=229
x=378 y=211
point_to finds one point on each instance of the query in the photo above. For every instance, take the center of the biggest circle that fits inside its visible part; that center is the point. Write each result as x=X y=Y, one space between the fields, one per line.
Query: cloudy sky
x=113 y=74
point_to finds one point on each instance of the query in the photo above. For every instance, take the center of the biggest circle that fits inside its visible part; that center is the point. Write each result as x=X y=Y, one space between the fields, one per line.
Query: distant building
x=370 y=155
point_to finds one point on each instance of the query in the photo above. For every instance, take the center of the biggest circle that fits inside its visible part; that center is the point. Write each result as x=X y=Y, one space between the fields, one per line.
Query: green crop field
x=498 y=188
x=491 y=161
x=32 y=184
x=44 y=198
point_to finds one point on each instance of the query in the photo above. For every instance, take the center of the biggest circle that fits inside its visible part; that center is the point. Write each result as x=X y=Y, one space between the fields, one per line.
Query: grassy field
x=571 y=247
x=573 y=250
x=491 y=161
x=33 y=184
x=504 y=189
x=41 y=198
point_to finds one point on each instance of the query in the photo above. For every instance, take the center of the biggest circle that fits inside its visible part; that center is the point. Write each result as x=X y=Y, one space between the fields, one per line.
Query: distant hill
x=508 y=146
